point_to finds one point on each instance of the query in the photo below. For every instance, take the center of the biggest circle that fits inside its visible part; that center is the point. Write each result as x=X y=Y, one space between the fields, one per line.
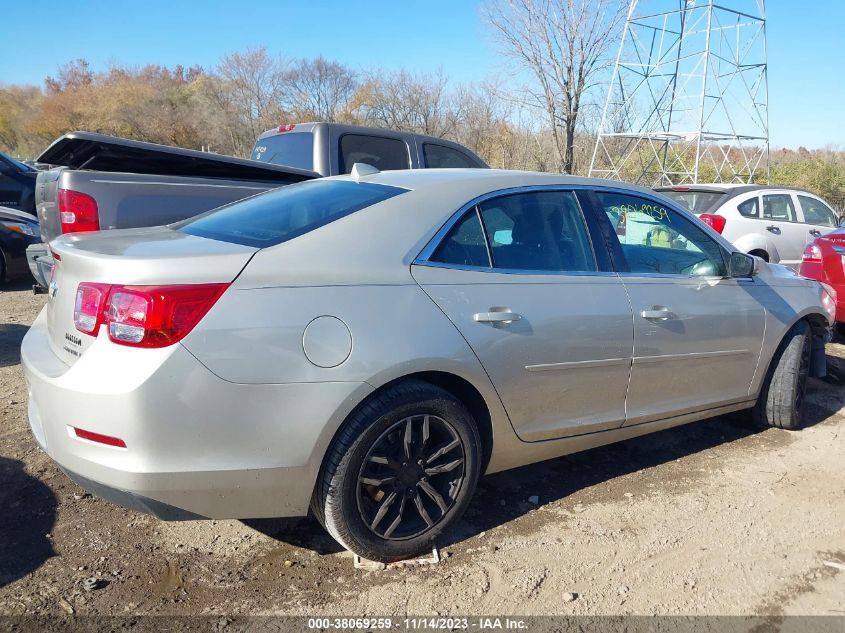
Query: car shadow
x=11 y=336
x=304 y=532
x=29 y=512
x=502 y=497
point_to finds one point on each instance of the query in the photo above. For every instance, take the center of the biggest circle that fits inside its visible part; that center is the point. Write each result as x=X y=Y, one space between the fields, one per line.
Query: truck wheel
x=781 y=400
x=399 y=474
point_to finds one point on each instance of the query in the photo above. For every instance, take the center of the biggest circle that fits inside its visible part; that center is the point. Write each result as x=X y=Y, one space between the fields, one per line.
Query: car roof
x=487 y=179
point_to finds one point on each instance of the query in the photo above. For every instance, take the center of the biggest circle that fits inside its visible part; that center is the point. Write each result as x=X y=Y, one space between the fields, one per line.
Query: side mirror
x=742 y=265
x=841 y=220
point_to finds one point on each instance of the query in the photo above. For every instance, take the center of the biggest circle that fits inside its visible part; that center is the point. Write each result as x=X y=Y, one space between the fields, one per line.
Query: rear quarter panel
x=255 y=336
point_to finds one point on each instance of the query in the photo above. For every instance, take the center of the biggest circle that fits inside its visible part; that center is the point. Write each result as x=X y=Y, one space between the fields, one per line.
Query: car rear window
x=285 y=213
x=293 y=149
x=696 y=201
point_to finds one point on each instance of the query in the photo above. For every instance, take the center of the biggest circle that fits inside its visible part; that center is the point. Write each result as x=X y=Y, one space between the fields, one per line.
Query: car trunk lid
x=134 y=257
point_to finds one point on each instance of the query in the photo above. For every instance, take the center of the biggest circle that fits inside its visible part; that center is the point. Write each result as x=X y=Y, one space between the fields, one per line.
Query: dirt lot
x=712 y=518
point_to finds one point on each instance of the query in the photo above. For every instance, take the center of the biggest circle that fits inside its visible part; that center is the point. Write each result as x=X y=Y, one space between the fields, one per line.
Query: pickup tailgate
x=136 y=257
x=100 y=152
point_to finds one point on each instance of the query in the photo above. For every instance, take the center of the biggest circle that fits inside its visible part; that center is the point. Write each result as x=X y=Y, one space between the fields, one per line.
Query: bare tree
x=320 y=89
x=565 y=45
x=251 y=86
x=405 y=101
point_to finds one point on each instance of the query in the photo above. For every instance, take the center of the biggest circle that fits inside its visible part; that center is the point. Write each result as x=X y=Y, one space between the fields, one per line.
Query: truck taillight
x=144 y=316
x=812 y=253
x=78 y=212
x=715 y=222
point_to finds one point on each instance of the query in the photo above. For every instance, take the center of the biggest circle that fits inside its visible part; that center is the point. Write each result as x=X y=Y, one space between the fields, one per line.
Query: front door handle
x=815 y=233
x=773 y=229
x=657 y=314
x=497 y=317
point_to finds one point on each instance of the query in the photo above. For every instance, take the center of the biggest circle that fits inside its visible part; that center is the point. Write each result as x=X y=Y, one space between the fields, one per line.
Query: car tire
x=390 y=484
x=2 y=266
x=781 y=401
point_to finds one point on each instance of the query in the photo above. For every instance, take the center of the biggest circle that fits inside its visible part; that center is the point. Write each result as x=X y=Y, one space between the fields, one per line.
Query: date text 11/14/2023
x=418 y=624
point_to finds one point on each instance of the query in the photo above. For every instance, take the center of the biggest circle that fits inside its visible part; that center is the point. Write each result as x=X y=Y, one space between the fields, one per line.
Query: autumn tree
x=564 y=45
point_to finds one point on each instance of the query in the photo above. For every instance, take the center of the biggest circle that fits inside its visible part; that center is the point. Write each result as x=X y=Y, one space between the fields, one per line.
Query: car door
x=697 y=333
x=817 y=217
x=521 y=279
x=780 y=219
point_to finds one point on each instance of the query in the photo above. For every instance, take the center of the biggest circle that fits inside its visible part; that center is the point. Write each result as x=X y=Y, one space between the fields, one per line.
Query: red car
x=824 y=260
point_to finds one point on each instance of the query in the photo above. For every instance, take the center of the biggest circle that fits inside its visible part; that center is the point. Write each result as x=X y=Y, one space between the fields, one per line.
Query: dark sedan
x=17 y=231
x=17 y=184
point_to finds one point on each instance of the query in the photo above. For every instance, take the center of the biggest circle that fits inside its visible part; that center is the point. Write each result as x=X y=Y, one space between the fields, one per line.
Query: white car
x=771 y=222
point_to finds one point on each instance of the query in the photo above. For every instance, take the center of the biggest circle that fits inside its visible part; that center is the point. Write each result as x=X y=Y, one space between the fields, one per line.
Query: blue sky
x=806 y=74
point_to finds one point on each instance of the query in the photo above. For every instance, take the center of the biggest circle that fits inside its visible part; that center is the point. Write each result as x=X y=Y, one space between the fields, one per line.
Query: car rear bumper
x=196 y=445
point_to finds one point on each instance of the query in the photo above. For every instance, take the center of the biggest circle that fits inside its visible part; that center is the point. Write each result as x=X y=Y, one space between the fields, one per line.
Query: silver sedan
x=365 y=347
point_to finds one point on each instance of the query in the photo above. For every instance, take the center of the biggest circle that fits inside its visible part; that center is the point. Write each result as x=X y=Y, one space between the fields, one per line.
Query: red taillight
x=716 y=222
x=144 y=316
x=89 y=306
x=78 y=212
x=288 y=127
x=97 y=437
x=812 y=253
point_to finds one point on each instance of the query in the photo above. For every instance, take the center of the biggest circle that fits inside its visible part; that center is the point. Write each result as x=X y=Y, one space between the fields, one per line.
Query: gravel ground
x=710 y=518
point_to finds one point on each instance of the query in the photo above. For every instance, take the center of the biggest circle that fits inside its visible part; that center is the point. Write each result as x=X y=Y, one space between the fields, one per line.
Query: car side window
x=537 y=231
x=464 y=245
x=658 y=240
x=445 y=157
x=379 y=151
x=750 y=208
x=817 y=212
x=779 y=207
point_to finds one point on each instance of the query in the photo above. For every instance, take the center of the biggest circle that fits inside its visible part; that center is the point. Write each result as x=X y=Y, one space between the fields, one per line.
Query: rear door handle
x=773 y=229
x=657 y=314
x=497 y=317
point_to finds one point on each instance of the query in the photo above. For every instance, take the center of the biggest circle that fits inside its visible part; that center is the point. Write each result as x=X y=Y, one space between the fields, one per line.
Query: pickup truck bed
x=132 y=184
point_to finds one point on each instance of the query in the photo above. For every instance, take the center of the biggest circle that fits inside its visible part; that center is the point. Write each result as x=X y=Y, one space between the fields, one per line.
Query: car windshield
x=285 y=213
x=696 y=201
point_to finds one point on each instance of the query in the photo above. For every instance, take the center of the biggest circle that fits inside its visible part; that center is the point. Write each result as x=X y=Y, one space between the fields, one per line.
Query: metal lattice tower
x=688 y=99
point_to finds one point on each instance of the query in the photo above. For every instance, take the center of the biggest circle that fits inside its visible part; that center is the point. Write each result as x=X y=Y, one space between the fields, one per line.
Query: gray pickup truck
x=101 y=182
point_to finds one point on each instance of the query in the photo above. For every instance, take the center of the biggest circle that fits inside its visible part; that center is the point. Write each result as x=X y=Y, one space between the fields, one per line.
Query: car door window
x=464 y=245
x=445 y=157
x=657 y=240
x=380 y=152
x=778 y=207
x=537 y=231
x=816 y=212
x=749 y=208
